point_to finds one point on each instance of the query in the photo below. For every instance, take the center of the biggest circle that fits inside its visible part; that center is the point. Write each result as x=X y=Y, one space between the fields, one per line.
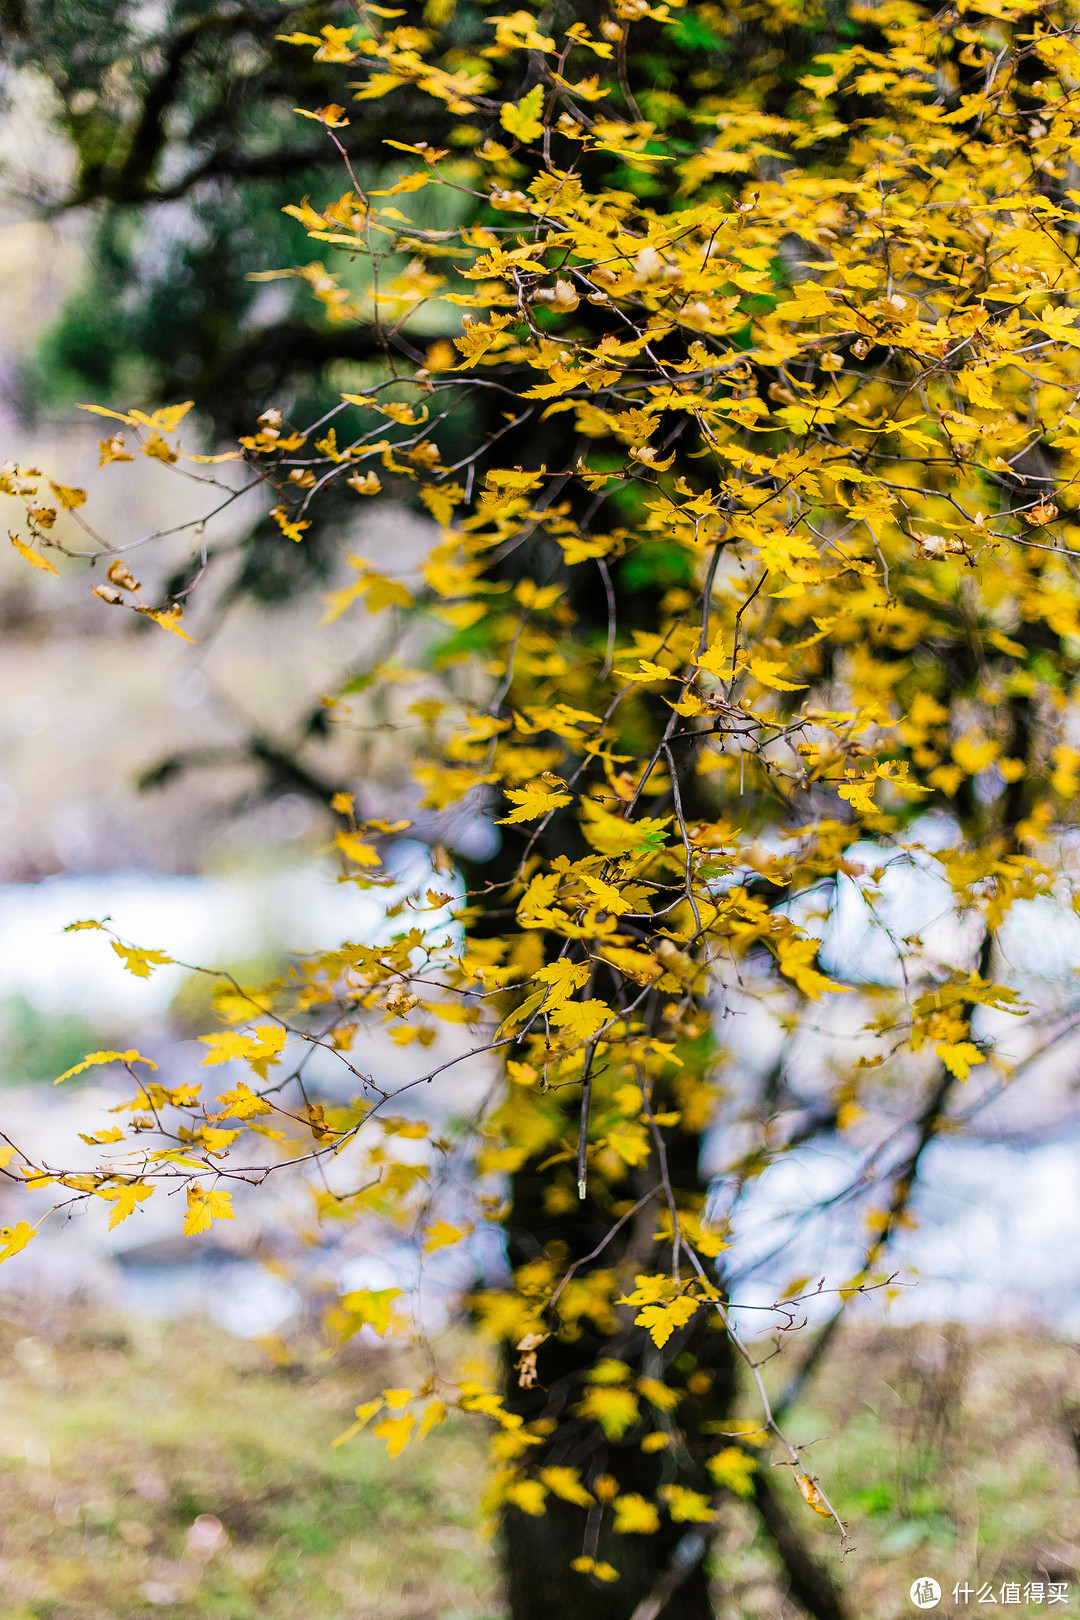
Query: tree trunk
x=541 y=1585
x=698 y=1363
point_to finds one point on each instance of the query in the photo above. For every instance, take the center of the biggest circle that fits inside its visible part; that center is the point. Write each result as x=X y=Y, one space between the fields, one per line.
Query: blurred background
x=166 y=1409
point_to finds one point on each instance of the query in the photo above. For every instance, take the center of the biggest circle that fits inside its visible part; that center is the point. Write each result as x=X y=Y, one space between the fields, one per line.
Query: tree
x=752 y=467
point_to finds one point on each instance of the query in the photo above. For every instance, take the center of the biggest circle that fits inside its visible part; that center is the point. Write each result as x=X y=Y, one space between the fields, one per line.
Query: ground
x=168 y=1468
x=118 y=1437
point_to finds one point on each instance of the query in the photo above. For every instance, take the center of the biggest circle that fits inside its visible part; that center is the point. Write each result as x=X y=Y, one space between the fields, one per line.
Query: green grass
x=111 y=1445
x=949 y=1454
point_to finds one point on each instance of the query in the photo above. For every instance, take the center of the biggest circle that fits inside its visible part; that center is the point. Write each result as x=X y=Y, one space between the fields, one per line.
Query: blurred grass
x=948 y=1451
x=114 y=1440
x=950 y=1454
x=38 y=1045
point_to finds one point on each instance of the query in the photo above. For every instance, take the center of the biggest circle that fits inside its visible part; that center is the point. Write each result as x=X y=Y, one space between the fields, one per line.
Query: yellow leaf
x=408 y=182
x=167 y=417
x=795 y=957
x=634 y=1516
x=332 y=116
x=974 y=753
x=363 y=1413
x=809 y=300
x=241 y=1104
x=527 y=1495
x=168 y=618
x=523 y=119
x=959 y=1057
x=13 y=1239
x=531 y=802
x=566 y=1482
x=662 y=1396
x=645 y=672
x=579 y=32
x=637 y=965
x=478 y=337
x=434 y=1414
x=812 y=1496
x=68 y=497
x=713 y=662
x=93 y=1058
x=124 y=1199
x=33 y=557
x=859 y=793
x=732 y=1467
x=370 y=1307
x=662 y=1320
x=395 y=1431
x=595 y=1567
x=261 y=1048
x=159 y=449
x=100 y=410
x=215 y=1141
x=615 y=1409
x=292 y=530
x=112 y=449
x=355 y=848
x=140 y=963
x=442 y=1235
x=686 y=1506
x=582 y=1019
x=383 y=593
x=611 y=835
x=630 y=1141
x=205 y=1205
x=768 y=673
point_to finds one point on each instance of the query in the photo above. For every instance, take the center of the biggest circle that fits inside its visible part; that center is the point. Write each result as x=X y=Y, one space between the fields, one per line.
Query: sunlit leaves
x=686 y=1506
x=124 y=1199
x=566 y=1483
x=242 y=1103
x=615 y=1409
x=811 y=1495
x=396 y=1431
x=796 y=958
x=364 y=1307
x=443 y=1235
x=733 y=1468
x=206 y=1205
x=635 y=1515
x=13 y=1239
x=139 y=962
x=94 y=1058
x=532 y=802
x=33 y=557
x=959 y=1057
x=743 y=560
x=523 y=119
x=261 y=1048
x=376 y=590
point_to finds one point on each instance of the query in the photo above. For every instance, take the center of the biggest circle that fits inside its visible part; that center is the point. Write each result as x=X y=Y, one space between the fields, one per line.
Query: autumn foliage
x=749 y=456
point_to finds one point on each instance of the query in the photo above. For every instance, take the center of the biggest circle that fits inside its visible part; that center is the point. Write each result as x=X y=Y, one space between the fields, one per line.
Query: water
x=998 y=1221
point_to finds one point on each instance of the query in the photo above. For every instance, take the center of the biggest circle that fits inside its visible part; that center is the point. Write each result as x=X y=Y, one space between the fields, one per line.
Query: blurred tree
x=186 y=150
x=740 y=469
